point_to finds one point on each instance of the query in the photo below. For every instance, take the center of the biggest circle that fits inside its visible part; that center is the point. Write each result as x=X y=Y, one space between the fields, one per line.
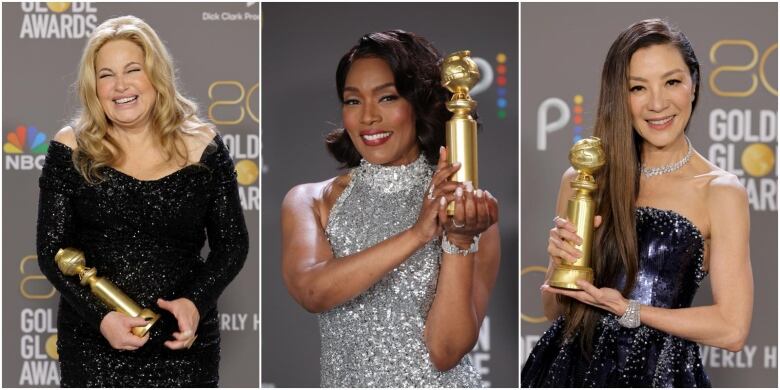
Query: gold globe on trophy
x=586 y=156
x=459 y=73
x=71 y=262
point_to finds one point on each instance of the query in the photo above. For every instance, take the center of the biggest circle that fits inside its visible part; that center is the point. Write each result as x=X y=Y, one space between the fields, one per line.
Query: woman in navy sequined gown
x=667 y=218
x=365 y=250
x=138 y=183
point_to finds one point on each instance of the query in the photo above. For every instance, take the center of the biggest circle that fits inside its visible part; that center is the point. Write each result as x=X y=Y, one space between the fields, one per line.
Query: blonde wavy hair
x=173 y=115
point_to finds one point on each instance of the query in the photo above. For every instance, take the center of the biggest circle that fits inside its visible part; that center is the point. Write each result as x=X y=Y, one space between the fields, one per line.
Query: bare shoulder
x=67 y=137
x=305 y=194
x=318 y=196
x=725 y=189
x=198 y=137
x=722 y=187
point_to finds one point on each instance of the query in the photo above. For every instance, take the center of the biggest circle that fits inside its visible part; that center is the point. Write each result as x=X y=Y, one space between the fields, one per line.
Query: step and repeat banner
x=302 y=44
x=734 y=127
x=215 y=50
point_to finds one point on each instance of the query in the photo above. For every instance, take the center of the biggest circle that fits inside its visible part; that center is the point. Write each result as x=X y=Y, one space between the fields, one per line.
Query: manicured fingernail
x=441 y=149
x=469 y=186
x=456 y=164
x=478 y=193
x=443 y=201
x=459 y=192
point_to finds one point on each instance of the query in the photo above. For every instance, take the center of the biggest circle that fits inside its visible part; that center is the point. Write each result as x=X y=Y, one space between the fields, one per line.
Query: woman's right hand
x=563 y=238
x=443 y=191
x=117 y=328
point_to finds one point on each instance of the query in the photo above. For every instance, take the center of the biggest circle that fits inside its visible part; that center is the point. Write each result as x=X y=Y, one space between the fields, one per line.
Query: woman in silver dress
x=401 y=288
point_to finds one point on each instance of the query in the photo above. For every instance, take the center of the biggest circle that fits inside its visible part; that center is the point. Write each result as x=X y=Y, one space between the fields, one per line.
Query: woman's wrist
x=621 y=307
x=460 y=240
x=420 y=238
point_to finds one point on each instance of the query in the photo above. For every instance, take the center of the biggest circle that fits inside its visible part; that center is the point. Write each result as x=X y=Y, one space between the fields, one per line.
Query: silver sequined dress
x=376 y=339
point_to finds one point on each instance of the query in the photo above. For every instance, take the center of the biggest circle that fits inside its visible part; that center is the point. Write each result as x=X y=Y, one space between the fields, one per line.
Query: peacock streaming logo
x=493 y=75
x=555 y=114
x=501 y=101
x=25 y=149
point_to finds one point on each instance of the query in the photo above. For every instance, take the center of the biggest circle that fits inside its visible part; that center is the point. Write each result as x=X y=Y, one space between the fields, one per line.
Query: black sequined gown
x=146 y=237
x=671 y=255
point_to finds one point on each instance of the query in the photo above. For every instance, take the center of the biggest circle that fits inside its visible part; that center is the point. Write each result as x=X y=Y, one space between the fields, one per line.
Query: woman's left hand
x=188 y=318
x=475 y=211
x=605 y=298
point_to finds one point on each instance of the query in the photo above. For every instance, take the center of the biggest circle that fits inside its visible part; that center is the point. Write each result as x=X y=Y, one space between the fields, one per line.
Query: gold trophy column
x=586 y=156
x=71 y=262
x=459 y=74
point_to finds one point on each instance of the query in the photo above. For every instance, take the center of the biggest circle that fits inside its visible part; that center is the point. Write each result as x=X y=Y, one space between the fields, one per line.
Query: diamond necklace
x=649 y=172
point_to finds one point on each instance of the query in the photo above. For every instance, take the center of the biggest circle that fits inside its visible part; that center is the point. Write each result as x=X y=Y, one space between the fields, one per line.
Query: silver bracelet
x=630 y=318
x=453 y=249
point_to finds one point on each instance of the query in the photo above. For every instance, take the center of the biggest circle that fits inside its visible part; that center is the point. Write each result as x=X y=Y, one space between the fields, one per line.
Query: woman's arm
x=226 y=231
x=56 y=228
x=465 y=281
x=725 y=323
x=318 y=281
x=462 y=295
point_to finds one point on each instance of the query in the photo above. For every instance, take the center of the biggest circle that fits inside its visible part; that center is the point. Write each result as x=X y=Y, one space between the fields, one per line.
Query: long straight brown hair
x=615 y=258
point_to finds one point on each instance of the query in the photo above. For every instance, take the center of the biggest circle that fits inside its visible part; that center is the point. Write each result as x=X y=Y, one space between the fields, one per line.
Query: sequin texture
x=376 y=339
x=146 y=237
x=671 y=261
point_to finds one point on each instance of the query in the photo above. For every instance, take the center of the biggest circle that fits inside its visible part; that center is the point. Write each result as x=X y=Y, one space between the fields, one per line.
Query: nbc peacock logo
x=25 y=149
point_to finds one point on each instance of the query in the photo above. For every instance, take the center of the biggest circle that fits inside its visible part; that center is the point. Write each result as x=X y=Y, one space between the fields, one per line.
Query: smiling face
x=380 y=123
x=661 y=94
x=123 y=88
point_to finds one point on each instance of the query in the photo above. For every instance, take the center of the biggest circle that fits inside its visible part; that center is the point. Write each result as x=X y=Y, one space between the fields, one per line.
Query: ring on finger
x=430 y=192
x=456 y=225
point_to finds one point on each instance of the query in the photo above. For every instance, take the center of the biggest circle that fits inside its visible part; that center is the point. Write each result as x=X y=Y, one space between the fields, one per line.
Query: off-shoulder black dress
x=146 y=237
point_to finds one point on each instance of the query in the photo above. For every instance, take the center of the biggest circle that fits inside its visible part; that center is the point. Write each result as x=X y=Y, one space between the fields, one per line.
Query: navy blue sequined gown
x=671 y=256
x=146 y=237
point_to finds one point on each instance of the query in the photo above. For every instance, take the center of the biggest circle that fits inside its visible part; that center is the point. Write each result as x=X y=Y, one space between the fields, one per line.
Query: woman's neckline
x=392 y=178
x=159 y=179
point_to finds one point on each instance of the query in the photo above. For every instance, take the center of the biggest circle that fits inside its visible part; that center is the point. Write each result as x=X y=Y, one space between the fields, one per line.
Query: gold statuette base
x=141 y=331
x=565 y=276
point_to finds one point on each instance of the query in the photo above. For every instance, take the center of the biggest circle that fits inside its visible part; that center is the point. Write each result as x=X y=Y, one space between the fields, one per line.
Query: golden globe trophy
x=586 y=156
x=459 y=73
x=71 y=262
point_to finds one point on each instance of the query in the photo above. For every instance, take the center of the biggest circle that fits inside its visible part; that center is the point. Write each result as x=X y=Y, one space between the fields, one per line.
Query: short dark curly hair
x=416 y=67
